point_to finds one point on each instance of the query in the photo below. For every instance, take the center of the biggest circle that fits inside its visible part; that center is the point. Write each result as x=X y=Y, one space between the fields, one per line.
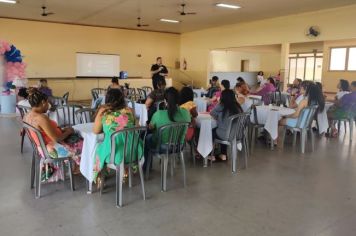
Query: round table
x=202 y=104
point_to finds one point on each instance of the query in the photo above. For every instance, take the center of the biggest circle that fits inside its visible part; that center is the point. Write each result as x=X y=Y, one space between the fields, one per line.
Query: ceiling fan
x=139 y=24
x=183 y=12
x=45 y=12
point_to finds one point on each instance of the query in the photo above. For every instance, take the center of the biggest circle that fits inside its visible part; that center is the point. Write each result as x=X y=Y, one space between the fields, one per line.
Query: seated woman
x=244 y=85
x=295 y=100
x=265 y=90
x=225 y=84
x=294 y=88
x=43 y=87
x=342 y=109
x=115 y=84
x=156 y=95
x=172 y=114
x=24 y=95
x=313 y=96
x=186 y=102
x=111 y=117
x=227 y=107
x=343 y=87
x=213 y=86
x=54 y=137
x=241 y=97
x=320 y=85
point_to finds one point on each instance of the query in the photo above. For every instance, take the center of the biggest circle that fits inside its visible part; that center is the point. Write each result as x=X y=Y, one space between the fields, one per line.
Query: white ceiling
x=123 y=13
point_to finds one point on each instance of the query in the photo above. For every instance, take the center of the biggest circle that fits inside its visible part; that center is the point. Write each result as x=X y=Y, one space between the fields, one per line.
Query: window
x=305 y=66
x=343 y=59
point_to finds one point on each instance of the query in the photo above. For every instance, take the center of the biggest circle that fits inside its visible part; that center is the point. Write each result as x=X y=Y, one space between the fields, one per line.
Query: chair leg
x=173 y=161
x=312 y=139
x=38 y=178
x=102 y=181
x=164 y=166
x=294 y=138
x=142 y=180
x=130 y=177
x=148 y=165
x=345 y=125
x=272 y=142
x=284 y=136
x=234 y=155
x=192 y=151
x=70 y=173
x=253 y=139
x=33 y=170
x=351 y=124
x=183 y=169
x=119 y=180
x=303 y=137
x=338 y=126
x=246 y=152
x=22 y=139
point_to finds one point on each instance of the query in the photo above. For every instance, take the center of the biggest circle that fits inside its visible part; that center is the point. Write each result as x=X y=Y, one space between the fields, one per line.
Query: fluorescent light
x=169 y=21
x=227 y=6
x=8 y=1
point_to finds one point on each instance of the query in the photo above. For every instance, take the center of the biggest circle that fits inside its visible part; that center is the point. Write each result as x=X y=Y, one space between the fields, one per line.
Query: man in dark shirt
x=158 y=71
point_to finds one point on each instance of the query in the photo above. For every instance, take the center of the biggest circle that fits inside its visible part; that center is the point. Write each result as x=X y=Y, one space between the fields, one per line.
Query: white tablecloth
x=269 y=116
x=199 y=92
x=88 y=152
x=206 y=124
x=202 y=104
x=141 y=113
x=323 y=118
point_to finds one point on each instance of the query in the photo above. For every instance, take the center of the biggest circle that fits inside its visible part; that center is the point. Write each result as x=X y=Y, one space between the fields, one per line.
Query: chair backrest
x=306 y=117
x=23 y=110
x=160 y=105
x=67 y=114
x=95 y=92
x=66 y=97
x=254 y=114
x=171 y=137
x=85 y=115
x=195 y=94
x=57 y=101
x=236 y=125
x=147 y=89
x=142 y=94
x=37 y=141
x=132 y=139
x=131 y=93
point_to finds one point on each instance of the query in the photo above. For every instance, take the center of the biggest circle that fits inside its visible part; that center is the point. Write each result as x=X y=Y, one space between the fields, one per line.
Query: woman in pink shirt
x=266 y=89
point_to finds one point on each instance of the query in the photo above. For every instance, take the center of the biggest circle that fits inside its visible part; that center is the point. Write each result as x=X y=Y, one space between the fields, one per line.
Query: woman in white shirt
x=241 y=97
x=344 y=88
x=260 y=79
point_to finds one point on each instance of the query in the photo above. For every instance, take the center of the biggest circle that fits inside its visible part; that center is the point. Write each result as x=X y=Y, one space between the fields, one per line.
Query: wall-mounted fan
x=45 y=12
x=139 y=23
x=312 y=32
x=183 y=12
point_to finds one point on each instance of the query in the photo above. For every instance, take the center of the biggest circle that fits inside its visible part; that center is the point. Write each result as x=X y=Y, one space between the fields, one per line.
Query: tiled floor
x=281 y=193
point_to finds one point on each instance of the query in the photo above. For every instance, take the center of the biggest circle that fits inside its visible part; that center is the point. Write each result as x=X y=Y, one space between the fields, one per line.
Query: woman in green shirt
x=165 y=117
x=115 y=115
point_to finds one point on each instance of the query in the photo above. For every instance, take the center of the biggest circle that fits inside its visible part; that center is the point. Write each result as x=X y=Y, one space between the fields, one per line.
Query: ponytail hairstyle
x=315 y=97
x=171 y=96
x=36 y=97
x=226 y=84
x=114 y=101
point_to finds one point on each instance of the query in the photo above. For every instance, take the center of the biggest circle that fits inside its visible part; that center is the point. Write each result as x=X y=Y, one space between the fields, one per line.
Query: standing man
x=158 y=71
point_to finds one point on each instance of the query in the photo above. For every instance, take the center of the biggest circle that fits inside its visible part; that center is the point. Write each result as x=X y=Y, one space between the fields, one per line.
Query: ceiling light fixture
x=227 y=6
x=169 y=21
x=8 y=1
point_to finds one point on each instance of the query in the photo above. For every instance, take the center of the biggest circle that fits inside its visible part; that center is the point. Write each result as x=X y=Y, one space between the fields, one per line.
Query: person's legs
x=154 y=83
x=223 y=147
x=148 y=146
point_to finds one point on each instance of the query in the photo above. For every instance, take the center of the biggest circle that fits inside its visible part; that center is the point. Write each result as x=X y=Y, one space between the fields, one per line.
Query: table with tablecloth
x=206 y=123
x=323 y=118
x=141 y=113
x=202 y=104
x=269 y=116
x=199 y=92
x=90 y=142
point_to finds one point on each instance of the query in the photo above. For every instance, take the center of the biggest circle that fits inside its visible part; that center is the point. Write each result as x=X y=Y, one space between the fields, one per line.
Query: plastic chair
x=254 y=127
x=67 y=113
x=141 y=94
x=41 y=156
x=237 y=126
x=350 y=118
x=57 y=101
x=131 y=104
x=147 y=89
x=160 y=105
x=303 y=125
x=131 y=94
x=133 y=136
x=23 y=111
x=66 y=97
x=95 y=92
x=85 y=115
x=165 y=150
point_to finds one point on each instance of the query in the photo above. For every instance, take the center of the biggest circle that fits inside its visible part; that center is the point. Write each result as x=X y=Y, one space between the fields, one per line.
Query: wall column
x=284 y=64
